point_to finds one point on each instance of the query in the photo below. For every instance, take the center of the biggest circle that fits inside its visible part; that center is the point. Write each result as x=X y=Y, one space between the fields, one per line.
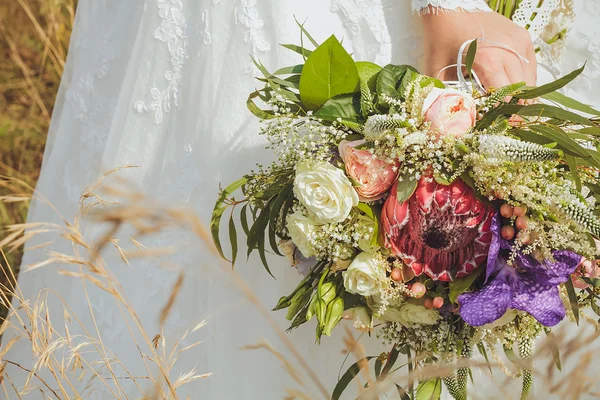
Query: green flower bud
x=297 y=302
x=335 y=310
x=321 y=310
x=311 y=308
x=327 y=292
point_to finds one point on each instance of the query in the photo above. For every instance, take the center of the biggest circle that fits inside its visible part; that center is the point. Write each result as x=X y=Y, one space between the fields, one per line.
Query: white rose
x=300 y=228
x=325 y=191
x=409 y=314
x=365 y=275
x=360 y=318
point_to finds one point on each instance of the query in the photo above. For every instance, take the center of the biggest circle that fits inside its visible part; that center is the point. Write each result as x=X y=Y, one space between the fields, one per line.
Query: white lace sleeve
x=426 y=6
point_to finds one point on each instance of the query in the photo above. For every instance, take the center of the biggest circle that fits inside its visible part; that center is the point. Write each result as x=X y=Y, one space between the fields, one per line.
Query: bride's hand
x=495 y=66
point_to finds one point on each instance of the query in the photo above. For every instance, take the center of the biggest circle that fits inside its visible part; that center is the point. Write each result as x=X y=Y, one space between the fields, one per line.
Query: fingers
x=531 y=68
x=492 y=76
x=513 y=68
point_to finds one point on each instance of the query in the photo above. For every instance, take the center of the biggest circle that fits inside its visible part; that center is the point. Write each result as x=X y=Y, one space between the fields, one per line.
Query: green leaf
x=402 y=393
x=550 y=87
x=573 y=104
x=459 y=286
x=545 y=110
x=298 y=49
x=257 y=231
x=305 y=32
x=391 y=360
x=274 y=215
x=244 y=219
x=345 y=106
x=573 y=299
x=367 y=72
x=406 y=187
x=483 y=352
x=262 y=254
x=594 y=282
x=256 y=110
x=564 y=142
x=594 y=131
x=430 y=389
x=348 y=376
x=572 y=162
x=295 y=69
x=233 y=240
x=510 y=354
x=378 y=366
x=218 y=211
x=471 y=56
x=554 y=347
x=389 y=80
x=329 y=71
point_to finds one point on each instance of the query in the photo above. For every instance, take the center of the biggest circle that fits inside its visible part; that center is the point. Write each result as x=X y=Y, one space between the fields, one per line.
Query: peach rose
x=450 y=111
x=374 y=176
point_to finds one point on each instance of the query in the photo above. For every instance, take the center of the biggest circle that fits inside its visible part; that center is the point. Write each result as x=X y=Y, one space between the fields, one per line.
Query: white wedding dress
x=162 y=85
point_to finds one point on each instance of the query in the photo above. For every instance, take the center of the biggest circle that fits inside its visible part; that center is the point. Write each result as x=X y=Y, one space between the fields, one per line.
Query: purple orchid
x=531 y=287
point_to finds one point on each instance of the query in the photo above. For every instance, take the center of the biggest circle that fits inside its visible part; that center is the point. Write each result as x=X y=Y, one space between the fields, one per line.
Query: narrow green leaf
x=402 y=393
x=406 y=187
x=391 y=360
x=563 y=140
x=257 y=231
x=244 y=219
x=572 y=163
x=573 y=299
x=274 y=215
x=459 y=286
x=219 y=209
x=593 y=131
x=545 y=110
x=329 y=71
x=378 y=366
x=510 y=354
x=233 y=240
x=305 y=32
x=573 y=104
x=298 y=49
x=294 y=69
x=256 y=110
x=483 y=352
x=555 y=351
x=348 y=376
x=471 y=56
x=550 y=87
x=262 y=254
x=430 y=389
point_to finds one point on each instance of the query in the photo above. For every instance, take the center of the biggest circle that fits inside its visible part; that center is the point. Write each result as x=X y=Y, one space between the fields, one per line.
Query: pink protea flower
x=443 y=231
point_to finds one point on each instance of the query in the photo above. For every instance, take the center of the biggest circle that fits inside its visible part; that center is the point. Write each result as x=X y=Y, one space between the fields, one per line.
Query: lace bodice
x=423 y=6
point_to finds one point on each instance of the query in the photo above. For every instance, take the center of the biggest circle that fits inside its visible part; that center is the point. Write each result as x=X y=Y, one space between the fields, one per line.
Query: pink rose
x=374 y=176
x=450 y=111
x=586 y=269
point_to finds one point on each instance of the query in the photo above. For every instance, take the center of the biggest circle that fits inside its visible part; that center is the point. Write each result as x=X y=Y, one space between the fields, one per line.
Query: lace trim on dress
x=172 y=32
x=428 y=6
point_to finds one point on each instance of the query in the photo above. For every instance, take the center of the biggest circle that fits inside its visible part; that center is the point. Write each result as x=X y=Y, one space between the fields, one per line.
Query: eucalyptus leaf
x=233 y=240
x=219 y=209
x=298 y=49
x=256 y=110
x=348 y=376
x=550 y=87
x=390 y=362
x=294 y=69
x=572 y=163
x=402 y=393
x=329 y=71
x=406 y=187
x=573 y=104
x=430 y=389
x=305 y=32
x=572 y=299
x=471 y=56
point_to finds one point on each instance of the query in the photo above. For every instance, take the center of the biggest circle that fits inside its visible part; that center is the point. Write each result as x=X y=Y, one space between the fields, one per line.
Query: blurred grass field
x=34 y=38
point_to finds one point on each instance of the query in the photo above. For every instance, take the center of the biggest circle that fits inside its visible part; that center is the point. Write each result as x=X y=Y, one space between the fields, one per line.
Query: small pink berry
x=522 y=222
x=506 y=210
x=396 y=274
x=428 y=303
x=507 y=232
x=520 y=211
x=438 y=302
x=418 y=289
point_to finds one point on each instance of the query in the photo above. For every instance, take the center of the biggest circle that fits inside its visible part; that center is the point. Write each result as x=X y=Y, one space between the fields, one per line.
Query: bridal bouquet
x=442 y=218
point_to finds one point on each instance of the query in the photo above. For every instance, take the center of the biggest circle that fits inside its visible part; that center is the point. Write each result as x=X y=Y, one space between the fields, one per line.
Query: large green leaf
x=430 y=389
x=459 y=286
x=367 y=72
x=219 y=209
x=329 y=71
x=471 y=56
x=345 y=106
x=348 y=376
x=389 y=80
x=550 y=87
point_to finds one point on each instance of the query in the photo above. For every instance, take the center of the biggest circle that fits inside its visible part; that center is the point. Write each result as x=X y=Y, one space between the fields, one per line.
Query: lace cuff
x=425 y=6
